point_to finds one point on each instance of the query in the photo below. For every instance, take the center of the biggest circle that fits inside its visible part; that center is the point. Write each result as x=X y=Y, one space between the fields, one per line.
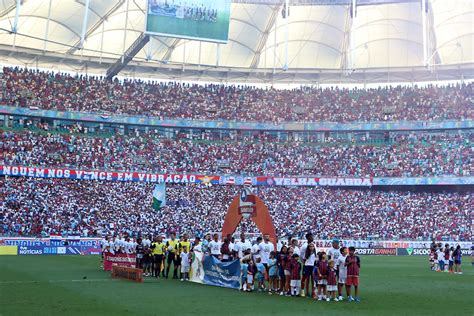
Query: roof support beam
x=44 y=18
x=125 y=28
x=84 y=23
x=102 y=41
x=90 y=9
x=346 y=44
x=424 y=32
x=347 y=62
x=169 y=51
x=17 y=16
x=287 y=33
x=47 y=26
x=218 y=54
x=264 y=37
x=8 y=10
x=245 y=22
x=99 y=23
x=432 y=45
x=352 y=35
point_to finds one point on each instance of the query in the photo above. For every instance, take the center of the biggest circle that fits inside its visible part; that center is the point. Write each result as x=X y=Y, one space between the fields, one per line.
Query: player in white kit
x=342 y=271
x=215 y=246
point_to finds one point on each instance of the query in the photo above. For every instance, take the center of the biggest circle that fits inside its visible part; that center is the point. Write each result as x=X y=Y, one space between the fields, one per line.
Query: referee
x=158 y=250
x=173 y=257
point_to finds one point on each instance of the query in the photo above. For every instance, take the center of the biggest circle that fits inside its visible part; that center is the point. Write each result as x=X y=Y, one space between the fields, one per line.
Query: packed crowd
x=47 y=90
x=38 y=207
x=405 y=156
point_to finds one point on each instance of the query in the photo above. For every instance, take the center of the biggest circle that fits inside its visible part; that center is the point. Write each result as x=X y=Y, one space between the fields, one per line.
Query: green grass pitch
x=191 y=28
x=54 y=285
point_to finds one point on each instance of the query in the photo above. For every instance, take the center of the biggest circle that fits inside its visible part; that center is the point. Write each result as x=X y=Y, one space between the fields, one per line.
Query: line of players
x=154 y=255
x=445 y=259
x=302 y=271
x=291 y=271
x=200 y=13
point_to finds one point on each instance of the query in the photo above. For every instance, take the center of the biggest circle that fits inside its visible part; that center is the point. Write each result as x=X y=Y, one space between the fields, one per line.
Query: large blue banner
x=54 y=250
x=208 y=270
x=225 y=274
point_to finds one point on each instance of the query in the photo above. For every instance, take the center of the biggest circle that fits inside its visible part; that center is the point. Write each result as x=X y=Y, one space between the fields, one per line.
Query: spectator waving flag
x=159 y=196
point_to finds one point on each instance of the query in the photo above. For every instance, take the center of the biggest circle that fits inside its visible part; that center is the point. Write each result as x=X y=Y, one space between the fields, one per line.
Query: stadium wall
x=91 y=246
x=231 y=125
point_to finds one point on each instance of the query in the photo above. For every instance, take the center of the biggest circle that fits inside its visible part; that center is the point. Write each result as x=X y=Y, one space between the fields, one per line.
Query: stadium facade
x=319 y=42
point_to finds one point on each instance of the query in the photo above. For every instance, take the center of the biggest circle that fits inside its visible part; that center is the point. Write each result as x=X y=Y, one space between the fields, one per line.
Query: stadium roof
x=384 y=42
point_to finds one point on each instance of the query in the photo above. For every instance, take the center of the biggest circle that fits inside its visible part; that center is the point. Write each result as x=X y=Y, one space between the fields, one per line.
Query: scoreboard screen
x=203 y=20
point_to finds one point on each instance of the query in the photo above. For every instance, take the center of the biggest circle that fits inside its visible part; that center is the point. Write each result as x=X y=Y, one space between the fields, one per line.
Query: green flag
x=159 y=196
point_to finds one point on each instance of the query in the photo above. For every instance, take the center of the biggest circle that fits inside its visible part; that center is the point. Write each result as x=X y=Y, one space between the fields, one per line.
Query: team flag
x=55 y=237
x=159 y=196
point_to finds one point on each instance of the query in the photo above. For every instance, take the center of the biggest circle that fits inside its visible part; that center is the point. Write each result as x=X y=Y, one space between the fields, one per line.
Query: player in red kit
x=353 y=267
x=332 y=282
x=322 y=276
x=295 y=268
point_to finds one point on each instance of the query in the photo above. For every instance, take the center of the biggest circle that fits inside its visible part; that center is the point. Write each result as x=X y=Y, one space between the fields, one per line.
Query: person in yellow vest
x=173 y=256
x=184 y=242
x=158 y=249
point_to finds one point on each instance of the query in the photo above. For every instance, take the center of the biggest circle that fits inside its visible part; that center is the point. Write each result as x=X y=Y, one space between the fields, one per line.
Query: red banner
x=119 y=259
x=62 y=173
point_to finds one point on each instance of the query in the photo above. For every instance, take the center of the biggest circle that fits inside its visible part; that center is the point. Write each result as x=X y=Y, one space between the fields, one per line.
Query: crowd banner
x=63 y=173
x=402 y=181
x=313 y=181
x=209 y=270
x=51 y=241
x=120 y=259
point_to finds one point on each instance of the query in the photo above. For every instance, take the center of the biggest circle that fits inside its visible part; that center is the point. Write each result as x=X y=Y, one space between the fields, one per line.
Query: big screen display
x=204 y=20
